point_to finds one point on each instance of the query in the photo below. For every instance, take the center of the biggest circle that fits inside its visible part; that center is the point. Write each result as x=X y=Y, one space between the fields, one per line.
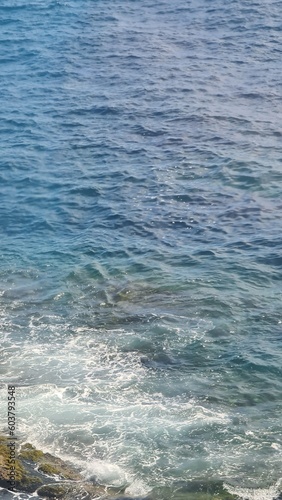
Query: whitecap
x=107 y=474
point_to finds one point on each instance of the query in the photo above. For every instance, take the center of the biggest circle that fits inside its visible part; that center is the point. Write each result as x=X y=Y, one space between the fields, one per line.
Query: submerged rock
x=210 y=489
x=194 y=490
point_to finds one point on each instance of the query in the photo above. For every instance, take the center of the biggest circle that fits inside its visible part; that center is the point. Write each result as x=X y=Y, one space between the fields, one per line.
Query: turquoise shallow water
x=140 y=199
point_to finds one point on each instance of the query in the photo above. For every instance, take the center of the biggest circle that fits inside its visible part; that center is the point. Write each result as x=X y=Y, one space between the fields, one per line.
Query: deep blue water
x=140 y=220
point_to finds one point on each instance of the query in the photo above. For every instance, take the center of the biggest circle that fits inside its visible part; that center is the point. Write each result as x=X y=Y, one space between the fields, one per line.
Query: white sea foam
x=107 y=474
x=137 y=488
x=255 y=493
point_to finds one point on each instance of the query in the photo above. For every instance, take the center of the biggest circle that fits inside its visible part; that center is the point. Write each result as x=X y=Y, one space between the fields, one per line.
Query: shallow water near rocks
x=140 y=219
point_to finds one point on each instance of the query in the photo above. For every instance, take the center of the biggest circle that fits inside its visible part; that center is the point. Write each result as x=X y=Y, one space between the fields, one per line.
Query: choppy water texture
x=140 y=197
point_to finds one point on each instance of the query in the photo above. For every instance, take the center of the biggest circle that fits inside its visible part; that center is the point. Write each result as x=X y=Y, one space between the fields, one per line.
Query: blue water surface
x=140 y=202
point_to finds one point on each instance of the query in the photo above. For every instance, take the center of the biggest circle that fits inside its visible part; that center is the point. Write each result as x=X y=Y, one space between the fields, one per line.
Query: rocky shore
x=52 y=478
x=47 y=475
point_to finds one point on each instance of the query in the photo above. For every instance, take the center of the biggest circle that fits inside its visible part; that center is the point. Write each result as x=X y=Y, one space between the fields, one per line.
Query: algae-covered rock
x=13 y=474
x=5 y=467
x=31 y=468
x=29 y=483
x=49 y=469
x=53 y=491
x=48 y=464
x=29 y=452
x=71 y=491
x=49 y=476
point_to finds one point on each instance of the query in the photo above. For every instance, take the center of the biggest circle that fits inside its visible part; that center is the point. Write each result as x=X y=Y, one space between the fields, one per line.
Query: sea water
x=140 y=201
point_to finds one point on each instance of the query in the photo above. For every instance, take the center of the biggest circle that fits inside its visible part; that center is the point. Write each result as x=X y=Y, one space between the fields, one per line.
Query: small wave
x=251 y=95
x=95 y=110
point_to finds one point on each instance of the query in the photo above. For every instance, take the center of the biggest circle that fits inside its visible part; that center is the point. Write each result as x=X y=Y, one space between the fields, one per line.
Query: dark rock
x=53 y=490
x=70 y=491
x=47 y=463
